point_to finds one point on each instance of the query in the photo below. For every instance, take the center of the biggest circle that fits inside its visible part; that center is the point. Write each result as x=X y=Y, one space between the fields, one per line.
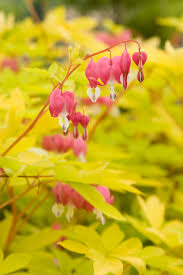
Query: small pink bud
x=76 y=118
x=56 y=103
x=84 y=121
x=137 y=56
x=79 y=147
x=56 y=226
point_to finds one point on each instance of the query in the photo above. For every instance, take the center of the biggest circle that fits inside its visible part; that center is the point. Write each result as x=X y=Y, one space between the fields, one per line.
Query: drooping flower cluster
x=67 y=197
x=61 y=144
x=63 y=105
x=111 y=71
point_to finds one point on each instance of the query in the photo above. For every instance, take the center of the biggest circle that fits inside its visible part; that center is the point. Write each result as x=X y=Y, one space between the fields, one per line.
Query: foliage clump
x=128 y=173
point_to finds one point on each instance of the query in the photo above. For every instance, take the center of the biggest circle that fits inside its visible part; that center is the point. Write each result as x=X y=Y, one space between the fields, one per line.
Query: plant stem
x=32 y=10
x=28 y=129
x=14 y=218
x=32 y=212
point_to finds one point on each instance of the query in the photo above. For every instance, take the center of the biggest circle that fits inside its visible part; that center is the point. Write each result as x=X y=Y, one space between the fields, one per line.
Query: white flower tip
x=70 y=212
x=57 y=209
x=93 y=95
x=99 y=216
x=112 y=94
x=64 y=123
x=82 y=158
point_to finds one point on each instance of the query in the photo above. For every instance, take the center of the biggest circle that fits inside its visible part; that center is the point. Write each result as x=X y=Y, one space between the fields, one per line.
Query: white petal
x=57 y=209
x=70 y=212
x=121 y=79
x=97 y=93
x=112 y=93
x=64 y=122
x=90 y=93
x=93 y=95
x=82 y=158
x=99 y=216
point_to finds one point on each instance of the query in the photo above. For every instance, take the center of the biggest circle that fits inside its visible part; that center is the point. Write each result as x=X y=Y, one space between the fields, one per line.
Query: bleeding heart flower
x=92 y=76
x=140 y=59
x=66 y=196
x=139 y=56
x=84 y=122
x=76 y=119
x=125 y=63
x=109 y=72
x=56 y=103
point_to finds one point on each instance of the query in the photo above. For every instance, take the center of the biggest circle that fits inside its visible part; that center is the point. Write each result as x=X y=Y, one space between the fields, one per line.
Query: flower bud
x=80 y=148
x=125 y=63
x=56 y=103
x=137 y=56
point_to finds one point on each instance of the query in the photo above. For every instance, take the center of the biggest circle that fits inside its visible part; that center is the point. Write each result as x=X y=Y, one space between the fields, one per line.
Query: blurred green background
x=141 y=16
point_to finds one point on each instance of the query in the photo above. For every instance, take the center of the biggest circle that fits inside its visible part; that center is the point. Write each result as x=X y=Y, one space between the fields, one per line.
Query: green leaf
x=38 y=240
x=73 y=246
x=14 y=262
x=96 y=199
x=136 y=262
x=154 y=210
x=1 y=256
x=112 y=236
x=129 y=247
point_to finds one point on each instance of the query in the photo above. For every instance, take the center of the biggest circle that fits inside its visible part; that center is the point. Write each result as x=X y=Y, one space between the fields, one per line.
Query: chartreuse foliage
x=136 y=151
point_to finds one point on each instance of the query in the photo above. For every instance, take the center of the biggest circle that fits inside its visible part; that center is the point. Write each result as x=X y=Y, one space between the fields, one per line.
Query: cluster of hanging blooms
x=63 y=106
x=62 y=144
x=113 y=70
x=68 y=199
